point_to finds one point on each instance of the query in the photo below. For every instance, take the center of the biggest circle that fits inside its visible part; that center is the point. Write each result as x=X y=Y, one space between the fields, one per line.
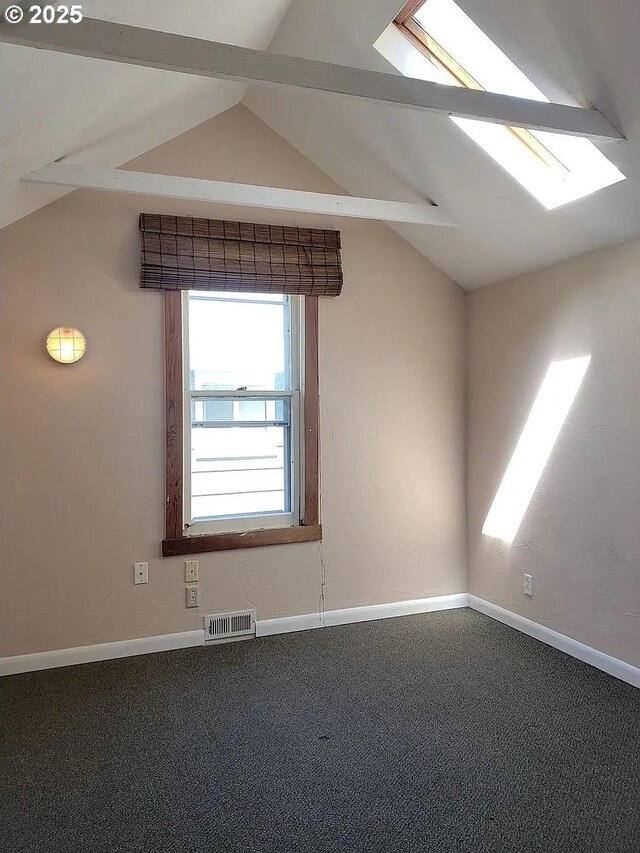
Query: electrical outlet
x=191 y=571
x=141 y=572
x=528 y=585
x=193 y=596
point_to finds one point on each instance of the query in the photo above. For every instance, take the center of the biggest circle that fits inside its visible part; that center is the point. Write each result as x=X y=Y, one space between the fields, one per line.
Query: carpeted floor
x=441 y=732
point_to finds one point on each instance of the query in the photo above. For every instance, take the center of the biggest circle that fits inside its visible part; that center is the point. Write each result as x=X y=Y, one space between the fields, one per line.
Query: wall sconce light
x=66 y=345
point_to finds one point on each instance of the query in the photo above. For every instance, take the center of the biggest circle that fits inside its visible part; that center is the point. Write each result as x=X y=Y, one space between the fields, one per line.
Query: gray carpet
x=442 y=732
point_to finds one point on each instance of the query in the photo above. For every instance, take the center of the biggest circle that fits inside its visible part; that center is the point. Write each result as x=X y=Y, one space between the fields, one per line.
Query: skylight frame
x=440 y=57
x=554 y=168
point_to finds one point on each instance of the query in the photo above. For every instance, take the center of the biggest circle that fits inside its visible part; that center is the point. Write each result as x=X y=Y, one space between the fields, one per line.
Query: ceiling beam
x=222 y=192
x=171 y=52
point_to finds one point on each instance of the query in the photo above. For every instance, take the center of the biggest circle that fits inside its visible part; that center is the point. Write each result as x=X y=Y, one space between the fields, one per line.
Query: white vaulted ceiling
x=576 y=51
x=105 y=113
x=582 y=48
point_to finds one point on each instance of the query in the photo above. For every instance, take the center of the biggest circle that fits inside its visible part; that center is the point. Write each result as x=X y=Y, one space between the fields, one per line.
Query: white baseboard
x=613 y=666
x=330 y=618
x=287 y=624
x=265 y=627
x=186 y=639
x=103 y=651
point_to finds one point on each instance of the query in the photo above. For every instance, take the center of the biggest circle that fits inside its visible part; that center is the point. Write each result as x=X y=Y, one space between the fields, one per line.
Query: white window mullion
x=240 y=395
x=295 y=463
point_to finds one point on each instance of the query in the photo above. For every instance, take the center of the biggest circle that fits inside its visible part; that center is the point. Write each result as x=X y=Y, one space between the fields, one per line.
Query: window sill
x=229 y=541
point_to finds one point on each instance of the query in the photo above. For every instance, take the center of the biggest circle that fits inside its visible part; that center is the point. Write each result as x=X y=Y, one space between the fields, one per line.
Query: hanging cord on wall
x=323 y=582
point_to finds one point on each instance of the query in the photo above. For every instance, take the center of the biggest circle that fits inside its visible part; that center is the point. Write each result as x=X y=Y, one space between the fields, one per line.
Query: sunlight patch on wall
x=547 y=416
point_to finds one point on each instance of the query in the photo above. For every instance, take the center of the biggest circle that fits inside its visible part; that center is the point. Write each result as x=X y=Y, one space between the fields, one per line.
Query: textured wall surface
x=83 y=446
x=580 y=537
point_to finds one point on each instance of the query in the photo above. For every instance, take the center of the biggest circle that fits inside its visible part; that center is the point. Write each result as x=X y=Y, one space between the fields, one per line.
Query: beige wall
x=82 y=446
x=581 y=535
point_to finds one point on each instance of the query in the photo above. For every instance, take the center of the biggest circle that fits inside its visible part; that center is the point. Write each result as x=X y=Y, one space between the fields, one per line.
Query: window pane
x=212 y=410
x=553 y=167
x=463 y=39
x=239 y=340
x=235 y=469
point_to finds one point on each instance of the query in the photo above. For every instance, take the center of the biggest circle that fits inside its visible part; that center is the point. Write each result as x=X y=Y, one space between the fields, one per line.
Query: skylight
x=437 y=41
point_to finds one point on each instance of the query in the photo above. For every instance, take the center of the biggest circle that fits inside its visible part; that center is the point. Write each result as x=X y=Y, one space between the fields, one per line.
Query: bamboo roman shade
x=181 y=253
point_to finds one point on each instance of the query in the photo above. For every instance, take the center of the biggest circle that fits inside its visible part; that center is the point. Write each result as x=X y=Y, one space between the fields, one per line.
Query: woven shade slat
x=182 y=253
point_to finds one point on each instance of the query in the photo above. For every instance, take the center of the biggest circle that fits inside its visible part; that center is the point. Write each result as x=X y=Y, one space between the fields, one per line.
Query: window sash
x=294 y=482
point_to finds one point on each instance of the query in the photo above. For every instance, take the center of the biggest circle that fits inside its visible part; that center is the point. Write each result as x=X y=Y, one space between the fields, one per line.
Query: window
x=241 y=368
x=435 y=40
x=242 y=412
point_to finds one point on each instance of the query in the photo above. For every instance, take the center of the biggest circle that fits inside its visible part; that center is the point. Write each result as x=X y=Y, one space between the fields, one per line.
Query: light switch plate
x=141 y=572
x=528 y=585
x=191 y=571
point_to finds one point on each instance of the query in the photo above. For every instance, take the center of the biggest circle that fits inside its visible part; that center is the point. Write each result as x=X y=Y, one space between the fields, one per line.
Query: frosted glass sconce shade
x=66 y=345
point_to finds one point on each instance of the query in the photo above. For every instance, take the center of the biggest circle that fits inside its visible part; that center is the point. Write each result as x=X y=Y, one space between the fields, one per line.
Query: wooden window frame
x=408 y=11
x=435 y=53
x=176 y=542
